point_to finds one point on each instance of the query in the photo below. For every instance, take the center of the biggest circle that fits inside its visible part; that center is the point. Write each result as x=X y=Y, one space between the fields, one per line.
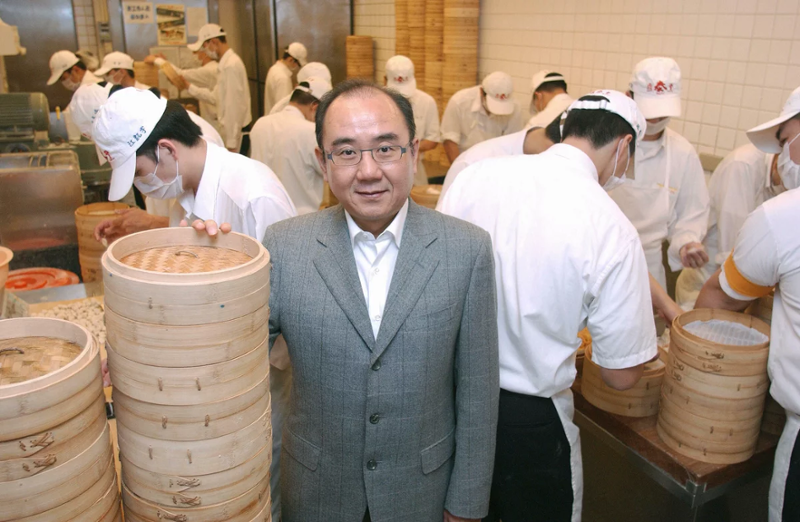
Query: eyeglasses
x=348 y=157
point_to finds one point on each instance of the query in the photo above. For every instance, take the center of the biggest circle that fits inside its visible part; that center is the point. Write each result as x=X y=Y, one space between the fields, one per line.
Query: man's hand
x=209 y=225
x=105 y=374
x=128 y=221
x=150 y=59
x=449 y=517
x=693 y=255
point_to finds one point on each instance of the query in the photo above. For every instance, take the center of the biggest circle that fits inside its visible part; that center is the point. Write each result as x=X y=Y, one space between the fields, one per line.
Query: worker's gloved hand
x=693 y=255
x=128 y=221
x=209 y=225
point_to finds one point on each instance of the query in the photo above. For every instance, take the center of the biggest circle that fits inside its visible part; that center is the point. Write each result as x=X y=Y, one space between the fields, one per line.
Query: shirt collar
x=394 y=230
x=202 y=204
x=294 y=111
x=477 y=106
x=575 y=157
x=652 y=148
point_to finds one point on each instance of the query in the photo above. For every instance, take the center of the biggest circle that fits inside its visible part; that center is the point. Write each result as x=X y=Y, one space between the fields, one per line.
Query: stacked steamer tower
x=187 y=319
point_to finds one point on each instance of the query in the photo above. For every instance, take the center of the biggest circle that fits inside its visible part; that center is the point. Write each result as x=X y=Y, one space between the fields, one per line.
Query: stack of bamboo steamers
x=187 y=319
x=56 y=459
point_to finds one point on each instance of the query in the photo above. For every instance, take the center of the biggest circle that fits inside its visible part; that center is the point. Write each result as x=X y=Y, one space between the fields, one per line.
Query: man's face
x=75 y=74
x=371 y=192
x=786 y=133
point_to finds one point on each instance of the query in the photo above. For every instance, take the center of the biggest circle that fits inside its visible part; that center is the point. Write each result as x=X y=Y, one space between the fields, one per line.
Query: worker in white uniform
x=286 y=142
x=204 y=76
x=565 y=258
x=744 y=179
x=480 y=113
x=70 y=70
x=316 y=70
x=400 y=77
x=117 y=69
x=668 y=199
x=533 y=140
x=279 y=82
x=549 y=98
x=231 y=94
x=767 y=256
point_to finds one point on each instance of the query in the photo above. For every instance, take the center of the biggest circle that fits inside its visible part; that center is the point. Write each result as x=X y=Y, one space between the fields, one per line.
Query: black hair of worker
x=599 y=126
x=558 y=85
x=301 y=97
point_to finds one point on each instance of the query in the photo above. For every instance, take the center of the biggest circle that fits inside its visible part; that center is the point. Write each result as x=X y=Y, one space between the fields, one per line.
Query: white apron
x=783 y=457
x=647 y=206
x=565 y=407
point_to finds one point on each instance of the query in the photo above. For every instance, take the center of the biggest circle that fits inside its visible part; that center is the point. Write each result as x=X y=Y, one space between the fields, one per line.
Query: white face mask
x=112 y=78
x=655 y=128
x=788 y=170
x=154 y=187
x=70 y=85
x=614 y=182
x=211 y=54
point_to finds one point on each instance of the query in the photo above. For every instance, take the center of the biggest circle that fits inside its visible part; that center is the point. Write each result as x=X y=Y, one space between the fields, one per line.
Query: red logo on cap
x=107 y=156
x=501 y=96
x=662 y=88
x=399 y=79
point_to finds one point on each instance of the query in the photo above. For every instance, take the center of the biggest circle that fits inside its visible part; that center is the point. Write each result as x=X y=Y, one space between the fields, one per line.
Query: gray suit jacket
x=403 y=424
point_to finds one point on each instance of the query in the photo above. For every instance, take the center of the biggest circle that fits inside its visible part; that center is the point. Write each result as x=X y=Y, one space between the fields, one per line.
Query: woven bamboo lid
x=182 y=259
x=26 y=358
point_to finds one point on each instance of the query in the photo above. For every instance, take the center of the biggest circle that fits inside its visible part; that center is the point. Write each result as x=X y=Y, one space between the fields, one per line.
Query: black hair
x=222 y=38
x=553 y=130
x=599 y=126
x=80 y=65
x=175 y=124
x=131 y=72
x=301 y=97
x=558 y=85
x=364 y=88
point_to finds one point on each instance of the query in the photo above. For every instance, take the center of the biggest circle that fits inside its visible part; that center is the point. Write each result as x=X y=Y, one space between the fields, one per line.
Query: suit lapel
x=337 y=267
x=412 y=271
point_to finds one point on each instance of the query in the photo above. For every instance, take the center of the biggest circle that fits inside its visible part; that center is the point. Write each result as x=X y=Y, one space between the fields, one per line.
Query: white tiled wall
x=376 y=18
x=84 y=25
x=740 y=58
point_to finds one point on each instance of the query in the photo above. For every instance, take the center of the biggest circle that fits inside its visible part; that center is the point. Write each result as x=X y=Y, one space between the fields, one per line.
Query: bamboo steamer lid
x=146 y=73
x=762 y=308
x=173 y=76
x=6 y=256
x=359 y=57
x=426 y=195
x=90 y=250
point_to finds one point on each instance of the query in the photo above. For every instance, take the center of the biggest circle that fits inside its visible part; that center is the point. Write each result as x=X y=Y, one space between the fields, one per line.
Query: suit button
x=374 y=418
x=372 y=465
x=376 y=366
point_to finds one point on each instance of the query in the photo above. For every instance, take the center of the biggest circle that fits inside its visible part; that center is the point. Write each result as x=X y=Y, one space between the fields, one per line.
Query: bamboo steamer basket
x=90 y=250
x=774 y=417
x=401 y=27
x=416 y=39
x=328 y=199
x=586 y=344
x=426 y=195
x=762 y=308
x=360 y=58
x=434 y=53
x=173 y=76
x=146 y=73
x=6 y=256
x=713 y=394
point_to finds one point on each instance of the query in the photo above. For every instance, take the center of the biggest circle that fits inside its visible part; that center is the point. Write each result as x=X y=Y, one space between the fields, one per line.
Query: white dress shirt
x=375 y=261
x=565 y=257
x=493 y=148
x=426 y=119
x=281 y=104
x=278 y=85
x=557 y=104
x=207 y=130
x=205 y=77
x=465 y=121
x=73 y=132
x=231 y=96
x=286 y=142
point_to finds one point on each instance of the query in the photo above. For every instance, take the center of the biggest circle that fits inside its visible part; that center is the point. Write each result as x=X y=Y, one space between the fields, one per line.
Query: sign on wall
x=138 y=12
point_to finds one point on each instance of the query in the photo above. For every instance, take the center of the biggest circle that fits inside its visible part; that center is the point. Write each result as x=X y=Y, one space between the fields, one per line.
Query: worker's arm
x=623 y=379
x=128 y=221
x=713 y=296
x=426 y=145
x=451 y=149
x=689 y=222
x=451 y=130
x=662 y=302
x=202 y=94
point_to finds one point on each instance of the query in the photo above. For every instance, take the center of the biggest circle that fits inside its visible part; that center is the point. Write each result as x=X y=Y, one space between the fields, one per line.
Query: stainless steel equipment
x=96 y=178
x=24 y=122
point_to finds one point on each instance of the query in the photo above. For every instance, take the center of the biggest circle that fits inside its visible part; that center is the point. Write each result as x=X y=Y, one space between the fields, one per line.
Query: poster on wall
x=137 y=12
x=171 y=20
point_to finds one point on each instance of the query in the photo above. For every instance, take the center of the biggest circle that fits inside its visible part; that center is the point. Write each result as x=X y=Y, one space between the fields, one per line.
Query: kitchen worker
x=117 y=69
x=533 y=140
x=766 y=256
x=231 y=93
x=204 y=76
x=480 y=113
x=279 y=82
x=668 y=198
x=310 y=70
x=549 y=98
x=286 y=142
x=566 y=258
x=400 y=77
x=70 y=70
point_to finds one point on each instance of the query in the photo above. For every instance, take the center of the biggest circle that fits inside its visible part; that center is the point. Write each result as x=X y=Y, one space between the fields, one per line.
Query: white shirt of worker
x=496 y=147
x=466 y=122
x=740 y=183
x=767 y=253
x=286 y=143
x=667 y=200
x=558 y=104
x=73 y=132
x=278 y=85
x=231 y=96
x=426 y=119
x=204 y=77
x=565 y=258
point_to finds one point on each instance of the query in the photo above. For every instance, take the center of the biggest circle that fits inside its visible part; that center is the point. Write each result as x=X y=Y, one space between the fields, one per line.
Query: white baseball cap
x=121 y=126
x=541 y=77
x=60 y=62
x=298 y=51
x=656 y=87
x=616 y=102
x=314 y=70
x=499 y=90
x=115 y=60
x=317 y=87
x=207 y=32
x=86 y=103
x=765 y=135
x=400 y=75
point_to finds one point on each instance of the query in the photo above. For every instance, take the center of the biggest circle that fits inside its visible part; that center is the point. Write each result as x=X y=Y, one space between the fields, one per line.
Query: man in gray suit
x=389 y=313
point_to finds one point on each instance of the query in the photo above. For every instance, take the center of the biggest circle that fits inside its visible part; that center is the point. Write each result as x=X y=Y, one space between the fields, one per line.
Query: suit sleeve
x=477 y=380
